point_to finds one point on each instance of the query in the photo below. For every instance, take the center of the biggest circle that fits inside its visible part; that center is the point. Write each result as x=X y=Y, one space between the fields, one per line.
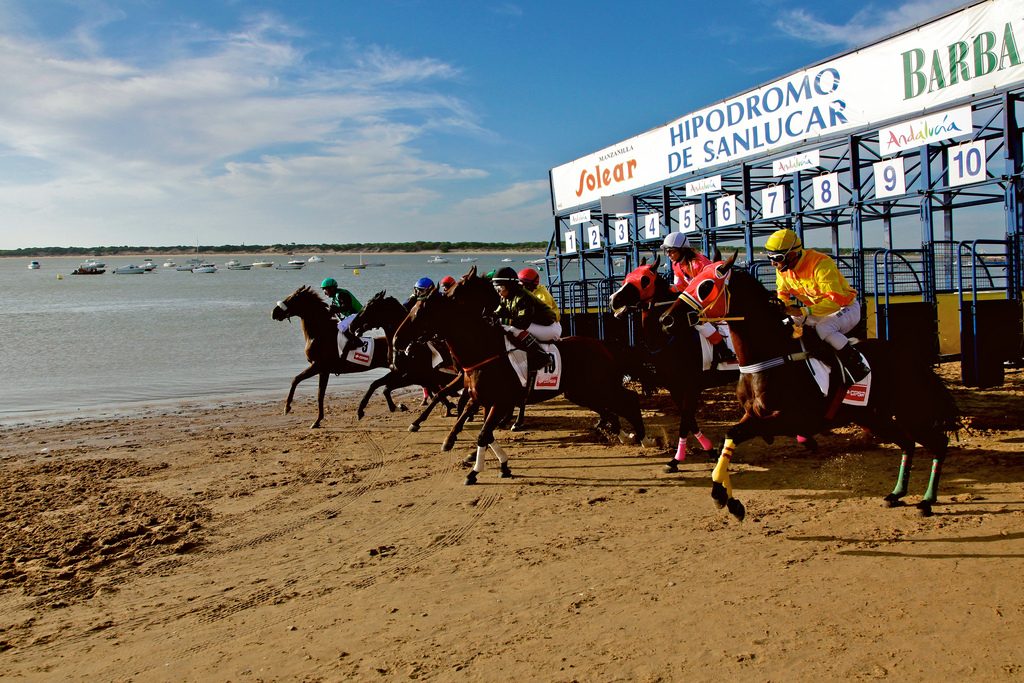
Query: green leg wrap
x=933 y=481
x=904 y=476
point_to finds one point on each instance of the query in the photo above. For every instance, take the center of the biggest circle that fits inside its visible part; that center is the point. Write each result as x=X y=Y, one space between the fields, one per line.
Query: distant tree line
x=366 y=247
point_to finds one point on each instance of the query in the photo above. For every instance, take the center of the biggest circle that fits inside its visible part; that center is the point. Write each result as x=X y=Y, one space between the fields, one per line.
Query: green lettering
x=958 y=69
x=1009 y=48
x=913 y=78
x=984 y=58
x=938 y=76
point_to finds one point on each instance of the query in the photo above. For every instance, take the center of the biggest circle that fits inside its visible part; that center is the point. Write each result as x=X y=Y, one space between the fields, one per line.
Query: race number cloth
x=549 y=378
x=708 y=353
x=856 y=395
x=361 y=353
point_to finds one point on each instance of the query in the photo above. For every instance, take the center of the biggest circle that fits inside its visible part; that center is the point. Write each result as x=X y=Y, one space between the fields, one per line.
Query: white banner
x=703 y=186
x=579 y=217
x=971 y=52
x=925 y=130
x=797 y=162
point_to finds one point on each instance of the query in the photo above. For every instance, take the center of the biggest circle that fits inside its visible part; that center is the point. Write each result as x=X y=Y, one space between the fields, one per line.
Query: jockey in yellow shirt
x=824 y=299
x=530 y=279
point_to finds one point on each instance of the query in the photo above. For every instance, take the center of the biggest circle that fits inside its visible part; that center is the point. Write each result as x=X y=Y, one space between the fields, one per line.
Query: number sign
x=622 y=231
x=826 y=191
x=966 y=163
x=725 y=210
x=773 y=201
x=652 y=226
x=594 y=236
x=890 y=179
x=687 y=218
x=570 y=242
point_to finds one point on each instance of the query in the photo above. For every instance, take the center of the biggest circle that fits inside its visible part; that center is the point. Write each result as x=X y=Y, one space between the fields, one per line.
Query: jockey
x=525 y=318
x=824 y=300
x=420 y=290
x=530 y=279
x=343 y=304
x=446 y=283
x=686 y=263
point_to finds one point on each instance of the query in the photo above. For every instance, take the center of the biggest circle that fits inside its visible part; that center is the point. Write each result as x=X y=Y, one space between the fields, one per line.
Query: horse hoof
x=719 y=495
x=811 y=445
x=414 y=427
x=517 y=427
x=315 y=425
x=359 y=414
x=672 y=466
x=710 y=456
x=506 y=473
x=893 y=501
x=447 y=446
x=471 y=478
x=736 y=509
x=470 y=460
x=925 y=508
x=649 y=442
x=627 y=438
x=403 y=407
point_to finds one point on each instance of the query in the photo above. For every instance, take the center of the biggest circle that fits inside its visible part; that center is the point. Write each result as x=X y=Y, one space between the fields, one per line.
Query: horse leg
x=324 y=377
x=627 y=404
x=449 y=441
x=450 y=387
x=721 y=484
x=518 y=424
x=376 y=384
x=932 y=492
x=305 y=374
x=484 y=440
x=685 y=399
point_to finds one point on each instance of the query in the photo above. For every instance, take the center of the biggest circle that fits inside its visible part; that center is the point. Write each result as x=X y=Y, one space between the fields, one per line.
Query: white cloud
x=869 y=23
x=236 y=141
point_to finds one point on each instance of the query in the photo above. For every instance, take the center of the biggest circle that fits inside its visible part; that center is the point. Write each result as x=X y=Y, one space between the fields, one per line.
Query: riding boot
x=350 y=342
x=536 y=357
x=853 y=362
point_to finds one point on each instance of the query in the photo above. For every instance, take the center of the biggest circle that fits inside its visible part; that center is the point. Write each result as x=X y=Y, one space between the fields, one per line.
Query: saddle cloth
x=437 y=361
x=708 y=354
x=361 y=353
x=549 y=378
x=856 y=395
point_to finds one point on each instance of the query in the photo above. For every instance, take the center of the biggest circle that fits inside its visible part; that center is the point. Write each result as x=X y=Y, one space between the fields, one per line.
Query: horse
x=907 y=402
x=321 y=332
x=677 y=358
x=414 y=367
x=589 y=376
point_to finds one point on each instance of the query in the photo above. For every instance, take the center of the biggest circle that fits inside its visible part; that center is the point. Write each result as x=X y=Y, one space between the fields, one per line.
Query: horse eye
x=704 y=289
x=644 y=281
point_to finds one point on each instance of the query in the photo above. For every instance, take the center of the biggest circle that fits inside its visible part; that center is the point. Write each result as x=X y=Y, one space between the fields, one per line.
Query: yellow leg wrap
x=720 y=475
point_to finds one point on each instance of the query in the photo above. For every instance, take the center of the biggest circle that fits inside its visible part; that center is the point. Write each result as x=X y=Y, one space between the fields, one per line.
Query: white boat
x=148 y=265
x=33 y=265
x=315 y=259
x=232 y=262
x=506 y=260
x=437 y=259
x=189 y=265
x=362 y=264
x=93 y=263
x=205 y=268
x=170 y=264
x=88 y=269
x=130 y=269
x=239 y=266
x=294 y=264
x=467 y=259
x=263 y=264
x=537 y=262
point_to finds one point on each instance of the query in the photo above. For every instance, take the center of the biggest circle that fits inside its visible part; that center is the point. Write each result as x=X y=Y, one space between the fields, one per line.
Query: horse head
x=420 y=322
x=475 y=293
x=302 y=302
x=707 y=296
x=381 y=311
x=638 y=288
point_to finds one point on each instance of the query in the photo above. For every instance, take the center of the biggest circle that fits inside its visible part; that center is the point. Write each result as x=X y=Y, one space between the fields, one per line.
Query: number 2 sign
x=593 y=236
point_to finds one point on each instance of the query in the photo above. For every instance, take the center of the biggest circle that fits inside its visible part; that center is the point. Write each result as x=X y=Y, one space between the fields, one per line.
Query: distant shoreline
x=443 y=248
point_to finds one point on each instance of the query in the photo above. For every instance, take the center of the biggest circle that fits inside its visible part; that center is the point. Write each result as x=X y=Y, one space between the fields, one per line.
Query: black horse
x=678 y=358
x=907 y=405
x=415 y=366
x=321 y=332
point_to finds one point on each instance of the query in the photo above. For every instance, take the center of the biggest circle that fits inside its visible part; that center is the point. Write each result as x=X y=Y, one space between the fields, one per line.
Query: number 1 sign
x=570 y=242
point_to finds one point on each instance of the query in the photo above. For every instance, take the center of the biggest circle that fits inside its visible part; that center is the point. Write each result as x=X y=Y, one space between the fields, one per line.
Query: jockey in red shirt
x=686 y=263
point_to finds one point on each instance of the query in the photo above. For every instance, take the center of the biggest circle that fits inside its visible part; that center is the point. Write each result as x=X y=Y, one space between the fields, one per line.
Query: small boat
x=148 y=265
x=315 y=259
x=506 y=260
x=93 y=263
x=33 y=265
x=170 y=264
x=205 y=268
x=294 y=264
x=130 y=269
x=88 y=269
x=263 y=264
x=362 y=264
x=189 y=265
x=239 y=266
x=468 y=259
x=537 y=262
x=437 y=259
x=232 y=262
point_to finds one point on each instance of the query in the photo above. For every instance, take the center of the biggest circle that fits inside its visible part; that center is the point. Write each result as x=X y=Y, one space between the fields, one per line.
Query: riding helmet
x=676 y=240
x=424 y=283
x=782 y=241
x=328 y=282
x=505 y=276
x=447 y=281
x=529 y=277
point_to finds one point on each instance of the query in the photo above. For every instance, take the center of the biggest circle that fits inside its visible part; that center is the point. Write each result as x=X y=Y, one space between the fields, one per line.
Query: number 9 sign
x=890 y=179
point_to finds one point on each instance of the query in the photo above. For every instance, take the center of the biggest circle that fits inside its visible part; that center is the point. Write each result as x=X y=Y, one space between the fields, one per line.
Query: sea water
x=98 y=345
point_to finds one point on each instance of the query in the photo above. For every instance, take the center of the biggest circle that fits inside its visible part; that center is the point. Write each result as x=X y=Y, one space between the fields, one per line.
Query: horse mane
x=307 y=295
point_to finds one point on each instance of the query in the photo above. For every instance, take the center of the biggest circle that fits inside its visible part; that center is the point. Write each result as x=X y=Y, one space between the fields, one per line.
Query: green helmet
x=328 y=282
x=489 y=275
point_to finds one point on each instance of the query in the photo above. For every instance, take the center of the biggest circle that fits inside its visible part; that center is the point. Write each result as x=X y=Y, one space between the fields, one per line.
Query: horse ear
x=656 y=262
x=718 y=254
x=643 y=261
x=471 y=273
x=727 y=264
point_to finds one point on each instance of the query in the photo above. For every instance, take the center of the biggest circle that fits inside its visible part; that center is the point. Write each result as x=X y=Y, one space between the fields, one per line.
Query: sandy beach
x=235 y=544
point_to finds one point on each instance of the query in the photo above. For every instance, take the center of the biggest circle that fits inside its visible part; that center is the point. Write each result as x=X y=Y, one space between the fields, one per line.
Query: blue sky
x=142 y=122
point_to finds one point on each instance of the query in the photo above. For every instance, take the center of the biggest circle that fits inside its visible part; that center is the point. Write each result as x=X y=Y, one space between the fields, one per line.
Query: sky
x=157 y=123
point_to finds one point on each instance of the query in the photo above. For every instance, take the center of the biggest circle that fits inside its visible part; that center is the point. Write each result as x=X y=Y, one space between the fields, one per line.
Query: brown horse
x=321 y=332
x=589 y=377
x=907 y=404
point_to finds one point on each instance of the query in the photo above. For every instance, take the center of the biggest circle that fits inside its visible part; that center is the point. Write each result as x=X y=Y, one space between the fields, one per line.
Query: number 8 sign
x=826 y=190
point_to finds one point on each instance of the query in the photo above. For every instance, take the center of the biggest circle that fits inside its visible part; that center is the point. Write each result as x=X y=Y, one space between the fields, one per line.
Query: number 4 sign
x=652 y=226
x=966 y=163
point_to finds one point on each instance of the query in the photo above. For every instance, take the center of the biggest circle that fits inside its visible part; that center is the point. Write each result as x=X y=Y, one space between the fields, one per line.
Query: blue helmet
x=424 y=283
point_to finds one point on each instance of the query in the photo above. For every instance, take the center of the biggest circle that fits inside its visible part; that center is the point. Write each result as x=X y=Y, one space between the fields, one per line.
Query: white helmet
x=676 y=240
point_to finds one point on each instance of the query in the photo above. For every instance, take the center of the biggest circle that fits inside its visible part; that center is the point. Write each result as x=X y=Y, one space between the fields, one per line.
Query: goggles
x=775 y=257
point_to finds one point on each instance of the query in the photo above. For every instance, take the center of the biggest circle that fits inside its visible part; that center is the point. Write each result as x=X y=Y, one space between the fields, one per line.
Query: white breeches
x=345 y=322
x=832 y=328
x=546 y=333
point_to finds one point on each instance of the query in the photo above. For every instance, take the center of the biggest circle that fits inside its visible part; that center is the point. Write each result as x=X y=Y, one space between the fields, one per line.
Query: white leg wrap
x=479 y=466
x=499 y=452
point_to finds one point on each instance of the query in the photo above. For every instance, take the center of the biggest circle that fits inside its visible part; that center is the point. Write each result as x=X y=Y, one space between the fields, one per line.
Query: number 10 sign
x=966 y=163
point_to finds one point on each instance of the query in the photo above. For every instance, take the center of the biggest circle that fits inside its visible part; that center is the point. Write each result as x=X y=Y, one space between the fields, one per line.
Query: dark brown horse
x=907 y=404
x=589 y=377
x=677 y=358
x=321 y=332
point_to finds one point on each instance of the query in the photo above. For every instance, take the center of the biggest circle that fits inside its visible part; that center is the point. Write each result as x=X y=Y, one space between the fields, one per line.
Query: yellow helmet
x=783 y=241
